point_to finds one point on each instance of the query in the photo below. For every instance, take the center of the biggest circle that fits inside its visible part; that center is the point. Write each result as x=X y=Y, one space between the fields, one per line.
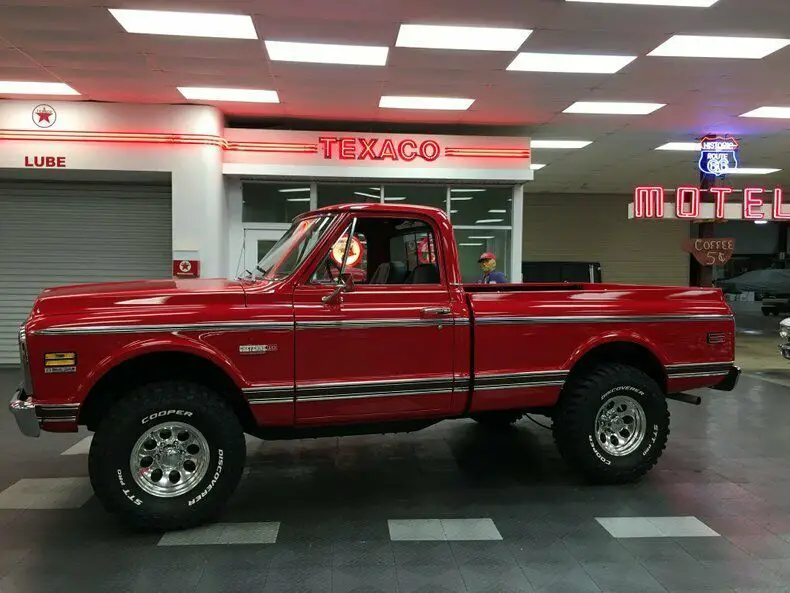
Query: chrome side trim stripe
x=698 y=375
x=313 y=398
x=598 y=319
x=271 y=400
x=520 y=380
x=157 y=328
x=375 y=323
x=530 y=385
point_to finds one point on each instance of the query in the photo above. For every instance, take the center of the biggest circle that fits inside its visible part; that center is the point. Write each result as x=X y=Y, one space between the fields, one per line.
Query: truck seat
x=424 y=274
x=392 y=272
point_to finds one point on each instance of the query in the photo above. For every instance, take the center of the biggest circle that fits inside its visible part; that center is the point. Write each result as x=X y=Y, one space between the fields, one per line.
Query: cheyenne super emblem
x=257 y=348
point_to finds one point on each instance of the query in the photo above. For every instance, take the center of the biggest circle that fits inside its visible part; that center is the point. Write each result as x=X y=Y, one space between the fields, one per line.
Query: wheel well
x=161 y=366
x=628 y=353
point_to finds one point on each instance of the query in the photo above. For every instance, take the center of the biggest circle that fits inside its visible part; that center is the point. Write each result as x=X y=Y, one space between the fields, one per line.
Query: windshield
x=292 y=249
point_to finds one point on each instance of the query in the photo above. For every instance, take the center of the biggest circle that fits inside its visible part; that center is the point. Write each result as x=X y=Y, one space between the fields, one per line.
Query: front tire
x=612 y=424
x=167 y=456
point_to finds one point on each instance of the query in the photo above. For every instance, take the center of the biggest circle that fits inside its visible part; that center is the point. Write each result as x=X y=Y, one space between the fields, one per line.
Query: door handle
x=430 y=311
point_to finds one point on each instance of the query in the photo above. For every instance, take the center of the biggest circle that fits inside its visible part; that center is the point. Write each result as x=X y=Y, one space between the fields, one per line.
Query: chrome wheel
x=169 y=459
x=620 y=425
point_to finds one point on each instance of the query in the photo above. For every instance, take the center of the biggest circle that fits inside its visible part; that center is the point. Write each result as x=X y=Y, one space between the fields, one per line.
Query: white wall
x=596 y=228
x=199 y=207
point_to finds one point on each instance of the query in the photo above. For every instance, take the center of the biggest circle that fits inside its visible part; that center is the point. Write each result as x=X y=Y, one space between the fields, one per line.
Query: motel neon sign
x=756 y=203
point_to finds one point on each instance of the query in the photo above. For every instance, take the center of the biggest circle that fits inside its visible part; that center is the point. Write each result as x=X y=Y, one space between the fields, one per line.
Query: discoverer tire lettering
x=186 y=404
x=574 y=425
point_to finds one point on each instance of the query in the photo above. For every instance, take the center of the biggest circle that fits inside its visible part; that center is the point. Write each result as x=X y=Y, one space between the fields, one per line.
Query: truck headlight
x=784 y=333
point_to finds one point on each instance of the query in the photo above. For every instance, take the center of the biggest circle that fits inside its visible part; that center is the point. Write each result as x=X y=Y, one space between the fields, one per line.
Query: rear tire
x=612 y=424
x=498 y=419
x=167 y=456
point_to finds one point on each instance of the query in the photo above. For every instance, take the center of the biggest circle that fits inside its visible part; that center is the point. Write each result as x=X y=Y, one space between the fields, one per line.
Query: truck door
x=384 y=349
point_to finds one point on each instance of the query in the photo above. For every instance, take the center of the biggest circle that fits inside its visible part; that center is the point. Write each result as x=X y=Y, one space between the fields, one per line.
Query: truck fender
x=173 y=343
x=623 y=336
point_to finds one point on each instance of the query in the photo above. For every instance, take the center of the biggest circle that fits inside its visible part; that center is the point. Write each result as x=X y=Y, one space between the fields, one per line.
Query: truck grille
x=24 y=360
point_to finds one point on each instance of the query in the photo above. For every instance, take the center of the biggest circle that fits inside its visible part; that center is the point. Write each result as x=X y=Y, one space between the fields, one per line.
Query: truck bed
x=546 y=328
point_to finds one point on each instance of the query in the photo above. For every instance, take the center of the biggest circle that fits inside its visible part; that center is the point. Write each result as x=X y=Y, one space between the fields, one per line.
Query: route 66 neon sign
x=718 y=155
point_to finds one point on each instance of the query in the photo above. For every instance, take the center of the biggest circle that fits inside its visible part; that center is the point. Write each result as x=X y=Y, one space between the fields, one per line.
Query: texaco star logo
x=44 y=116
x=185 y=266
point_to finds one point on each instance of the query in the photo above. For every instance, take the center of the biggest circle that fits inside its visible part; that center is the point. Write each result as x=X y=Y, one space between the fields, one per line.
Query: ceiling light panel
x=769 y=113
x=235 y=95
x=752 y=171
x=187 y=24
x=463 y=38
x=437 y=103
x=10 y=87
x=681 y=146
x=536 y=166
x=613 y=108
x=704 y=46
x=570 y=144
x=569 y=63
x=327 y=53
x=684 y=3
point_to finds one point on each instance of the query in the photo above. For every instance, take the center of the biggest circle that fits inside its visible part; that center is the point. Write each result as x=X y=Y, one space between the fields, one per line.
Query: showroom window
x=330 y=194
x=274 y=202
x=482 y=218
x=417 y=195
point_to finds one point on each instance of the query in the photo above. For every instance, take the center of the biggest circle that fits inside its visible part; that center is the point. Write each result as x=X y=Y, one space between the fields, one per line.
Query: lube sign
x=756 y=203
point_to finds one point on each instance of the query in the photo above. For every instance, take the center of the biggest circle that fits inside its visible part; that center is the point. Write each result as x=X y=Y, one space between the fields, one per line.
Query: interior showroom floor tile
x=451 y=508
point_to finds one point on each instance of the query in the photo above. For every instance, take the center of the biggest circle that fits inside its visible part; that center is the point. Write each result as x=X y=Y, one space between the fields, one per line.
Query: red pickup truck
x=356 y=321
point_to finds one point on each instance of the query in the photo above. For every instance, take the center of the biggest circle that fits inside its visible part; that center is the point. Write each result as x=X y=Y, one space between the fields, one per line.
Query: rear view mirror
x=344 y=284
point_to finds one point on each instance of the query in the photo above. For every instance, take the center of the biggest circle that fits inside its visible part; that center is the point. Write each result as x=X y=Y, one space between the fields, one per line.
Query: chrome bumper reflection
x=24 y=411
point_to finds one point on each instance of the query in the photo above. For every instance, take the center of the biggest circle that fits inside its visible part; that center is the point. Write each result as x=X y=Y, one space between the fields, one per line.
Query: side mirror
x=344 y=284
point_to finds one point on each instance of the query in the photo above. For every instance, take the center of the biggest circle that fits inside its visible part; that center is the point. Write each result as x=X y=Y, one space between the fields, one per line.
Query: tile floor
x=451 y=508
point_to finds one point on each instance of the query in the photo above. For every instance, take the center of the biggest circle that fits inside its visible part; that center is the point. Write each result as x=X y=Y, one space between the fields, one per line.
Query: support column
x=517 y=234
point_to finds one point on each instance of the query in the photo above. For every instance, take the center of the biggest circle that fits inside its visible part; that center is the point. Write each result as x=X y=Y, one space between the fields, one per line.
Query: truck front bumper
x=730 y=381
x=24 y=411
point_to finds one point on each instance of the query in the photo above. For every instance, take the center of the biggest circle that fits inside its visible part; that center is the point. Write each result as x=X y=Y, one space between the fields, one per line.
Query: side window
x=383 y=251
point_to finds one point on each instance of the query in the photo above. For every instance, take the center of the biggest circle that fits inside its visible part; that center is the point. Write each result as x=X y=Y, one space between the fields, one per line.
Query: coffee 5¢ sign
x=710 y=252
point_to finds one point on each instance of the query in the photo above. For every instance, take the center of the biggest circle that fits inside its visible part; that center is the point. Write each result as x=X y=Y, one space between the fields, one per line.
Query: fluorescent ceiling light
x=189 y=24
x=234 y=95
x=613 y=108
x=559 y=143
x=683 y=146
x=467 y=190
x=11 y=87
x=375 y=188
x=760 y=222
x=394 y=199
x=453 y=211
x=571 y=63
x=364 y=195
x=536 y=166
x=481 y=237
x=447 y=37
x=461 y=199
x=689 y=3
x=448 y=103
x=497 y=211
x=289 y=190
x=298 y=200
x=327 y=53
x=490 y=220
x=752 y=171
x=769 y=112
x=470 y=244
x=705 y=46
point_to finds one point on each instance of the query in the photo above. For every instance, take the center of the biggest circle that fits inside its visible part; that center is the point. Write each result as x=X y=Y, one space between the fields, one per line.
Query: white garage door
x=65 y=233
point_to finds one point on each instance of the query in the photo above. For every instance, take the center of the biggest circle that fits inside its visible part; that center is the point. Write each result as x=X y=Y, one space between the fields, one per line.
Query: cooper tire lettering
x=214 y=478
x=156 y=415
x=598 y=454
